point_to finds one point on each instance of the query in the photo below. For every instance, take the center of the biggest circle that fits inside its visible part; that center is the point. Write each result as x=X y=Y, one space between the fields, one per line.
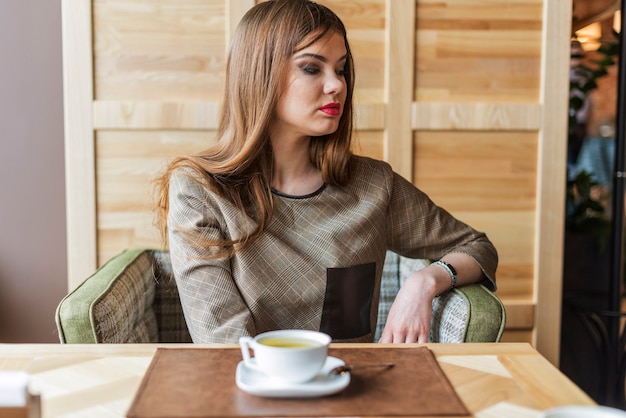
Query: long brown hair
x=239 y=166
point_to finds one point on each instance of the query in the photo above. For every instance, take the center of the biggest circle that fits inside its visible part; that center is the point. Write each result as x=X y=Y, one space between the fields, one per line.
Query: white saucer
x=257 y=383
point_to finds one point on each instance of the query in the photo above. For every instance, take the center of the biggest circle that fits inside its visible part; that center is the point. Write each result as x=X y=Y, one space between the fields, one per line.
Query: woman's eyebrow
x=319 y=57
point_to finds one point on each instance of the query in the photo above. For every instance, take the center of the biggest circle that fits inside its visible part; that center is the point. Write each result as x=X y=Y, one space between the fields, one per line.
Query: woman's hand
x=409 y=317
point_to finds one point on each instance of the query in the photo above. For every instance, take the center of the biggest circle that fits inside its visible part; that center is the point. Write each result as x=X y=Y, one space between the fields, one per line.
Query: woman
x=279 y=225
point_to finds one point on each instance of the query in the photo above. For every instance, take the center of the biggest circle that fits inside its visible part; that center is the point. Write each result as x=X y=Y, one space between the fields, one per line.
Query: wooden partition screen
x=466 y=98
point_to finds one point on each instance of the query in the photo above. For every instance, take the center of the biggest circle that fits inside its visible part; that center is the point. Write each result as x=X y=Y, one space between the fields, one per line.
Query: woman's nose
x=334 y=84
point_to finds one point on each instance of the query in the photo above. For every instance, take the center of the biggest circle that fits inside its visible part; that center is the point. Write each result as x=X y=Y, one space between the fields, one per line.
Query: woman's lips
x=331 y=109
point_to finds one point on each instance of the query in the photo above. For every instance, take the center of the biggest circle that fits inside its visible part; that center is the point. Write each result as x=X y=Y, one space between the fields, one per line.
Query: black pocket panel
x=348 y=301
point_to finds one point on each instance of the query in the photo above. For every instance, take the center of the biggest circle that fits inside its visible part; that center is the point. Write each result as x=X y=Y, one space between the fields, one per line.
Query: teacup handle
x=244 y=343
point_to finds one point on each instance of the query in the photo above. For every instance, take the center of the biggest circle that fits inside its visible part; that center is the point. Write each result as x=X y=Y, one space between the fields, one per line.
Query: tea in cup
x=289 y=356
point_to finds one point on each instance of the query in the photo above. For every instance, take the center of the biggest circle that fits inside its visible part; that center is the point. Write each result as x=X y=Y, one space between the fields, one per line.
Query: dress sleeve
x=421 y=229
x=213 y=306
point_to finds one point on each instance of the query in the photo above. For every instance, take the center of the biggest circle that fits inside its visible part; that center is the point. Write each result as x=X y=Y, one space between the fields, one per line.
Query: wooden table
x=493 y=380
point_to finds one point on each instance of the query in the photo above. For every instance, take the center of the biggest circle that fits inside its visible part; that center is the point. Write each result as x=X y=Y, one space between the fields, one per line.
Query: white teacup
x=289 y=356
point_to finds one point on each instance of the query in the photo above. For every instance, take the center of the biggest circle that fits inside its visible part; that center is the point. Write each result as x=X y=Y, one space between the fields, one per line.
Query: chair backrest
x=133 y=298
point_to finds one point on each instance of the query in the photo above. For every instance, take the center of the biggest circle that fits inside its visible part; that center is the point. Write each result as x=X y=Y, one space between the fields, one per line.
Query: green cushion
x=487 y=316
x=114 y=305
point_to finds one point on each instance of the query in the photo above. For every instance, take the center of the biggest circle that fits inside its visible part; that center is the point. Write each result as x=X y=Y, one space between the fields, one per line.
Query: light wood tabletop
x=100 y=380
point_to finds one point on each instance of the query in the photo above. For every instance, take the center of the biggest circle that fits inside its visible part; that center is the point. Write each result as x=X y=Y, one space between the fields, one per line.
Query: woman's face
x=313 y=98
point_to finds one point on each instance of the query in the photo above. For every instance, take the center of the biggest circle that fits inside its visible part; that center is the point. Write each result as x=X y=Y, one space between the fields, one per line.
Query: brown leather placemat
x=201 y=383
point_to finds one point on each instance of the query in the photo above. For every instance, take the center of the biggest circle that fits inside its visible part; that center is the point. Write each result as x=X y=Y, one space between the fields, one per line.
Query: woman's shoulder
x=367 y=167
x=185 y=169
x=187 y=179
x=369 y=163
x=370 y=173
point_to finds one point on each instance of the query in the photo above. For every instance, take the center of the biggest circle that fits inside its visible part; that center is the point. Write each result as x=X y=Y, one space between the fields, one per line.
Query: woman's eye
x=341 y=72
x=310 y=70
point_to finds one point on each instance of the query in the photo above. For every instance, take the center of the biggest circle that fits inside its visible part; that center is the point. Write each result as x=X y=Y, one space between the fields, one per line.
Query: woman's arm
x=421 y=229
x=214 y=309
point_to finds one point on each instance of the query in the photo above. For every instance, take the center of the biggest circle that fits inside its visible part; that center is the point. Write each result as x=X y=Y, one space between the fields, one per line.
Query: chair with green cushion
x=133 y=299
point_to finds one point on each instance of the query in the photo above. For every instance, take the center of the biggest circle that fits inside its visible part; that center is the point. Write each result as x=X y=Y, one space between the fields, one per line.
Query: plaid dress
x=318 y=265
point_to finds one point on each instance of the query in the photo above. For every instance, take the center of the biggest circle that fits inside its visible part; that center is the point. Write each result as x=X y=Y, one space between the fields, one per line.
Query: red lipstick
x=331 y=109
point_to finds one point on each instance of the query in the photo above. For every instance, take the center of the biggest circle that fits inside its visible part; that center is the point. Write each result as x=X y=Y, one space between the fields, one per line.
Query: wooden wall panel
x=478 y=50
x=399 y=76
x=370 y=143
x=554 y=89
x=477 y=170
x=80 y=170
x=128 y=162
x=159 y=50
x=466 y=98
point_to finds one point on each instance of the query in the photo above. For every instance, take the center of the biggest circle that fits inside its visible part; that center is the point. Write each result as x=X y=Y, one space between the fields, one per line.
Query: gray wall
x=33 y=264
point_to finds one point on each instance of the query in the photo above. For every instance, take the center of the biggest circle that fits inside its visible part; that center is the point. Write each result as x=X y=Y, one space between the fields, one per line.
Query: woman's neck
x=294 y=174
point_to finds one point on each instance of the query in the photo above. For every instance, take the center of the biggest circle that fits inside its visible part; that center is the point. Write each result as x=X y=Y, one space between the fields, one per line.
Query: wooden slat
x=399 y=76
x=370 y=116
x=369 y=143
x=79 y=140
x=516 y=335
x=551 y=175
x=520 y=314
x=109 y=114
x=476 y=116
x=235 y=9
x=155 y=115
x=480 y=14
